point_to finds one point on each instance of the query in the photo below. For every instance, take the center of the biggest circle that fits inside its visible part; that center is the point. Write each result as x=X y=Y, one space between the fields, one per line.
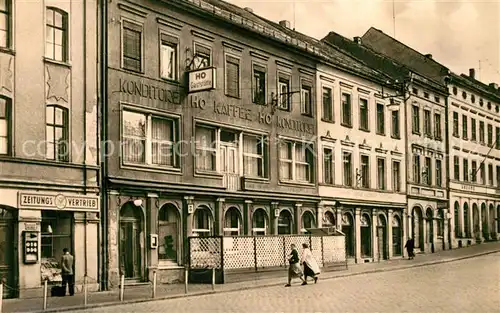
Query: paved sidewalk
x=144 y=293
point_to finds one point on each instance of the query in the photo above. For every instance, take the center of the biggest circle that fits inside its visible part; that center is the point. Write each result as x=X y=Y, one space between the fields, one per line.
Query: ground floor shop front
x=35 y=227
x=372 y=232
x=148 y=233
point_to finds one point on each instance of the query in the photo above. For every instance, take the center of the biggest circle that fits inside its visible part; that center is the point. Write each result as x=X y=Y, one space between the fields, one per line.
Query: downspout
x=103 y=137
x=85 y=99
x=408 y=164
x=447 y=160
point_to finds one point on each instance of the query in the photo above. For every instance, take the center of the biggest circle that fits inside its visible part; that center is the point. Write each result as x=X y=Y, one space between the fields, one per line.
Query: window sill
x=175 y=82
x=396 y=137
x=284 y=109
x=296 y=183
x=366 y=130
x=307 y=114
x=416 y=133
x=207 y=174
x=132 y=71
x=261 y=180
x=60 y=63
x=346 y=125
x=152 y=168
x=328 y=121
x=7 y=50
x=380 y=133
x=231 y=96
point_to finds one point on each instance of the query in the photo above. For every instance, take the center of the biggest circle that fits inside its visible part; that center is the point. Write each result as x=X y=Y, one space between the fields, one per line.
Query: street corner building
x=48 y=143
x=211 y=112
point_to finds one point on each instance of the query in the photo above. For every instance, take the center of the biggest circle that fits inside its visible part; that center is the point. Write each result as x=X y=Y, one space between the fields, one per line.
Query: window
x=396 y=176
x=363 y=114
x=347 y=170
x=259 y=85
x=439 y=173
x=381 y=174
x=206 y=153
x=455 y=124
x=56 y=233
x=56 y=34
x=437 y=126
x=259 y=226
x=490 y=174
x=473 y=129
x=328 y=166
x=416 y=119
x=296 y=162
x=232 y=222
x=416 y=168
x=464 y=127
x=497 y=138
x=327 y=104
x=456 y=167
x=132 y=46
x=5 y=23
x=202 y=56
x=481 y=132
x=365 y=171
x=483 y=173
x=255 y=156
x=306 y=100
x=169 y=59
x=307 y=221
x=168 y=233
x=5 y=126
x=426 y=95
x=346 y=110
x=202 y=222
x=380 y=119
x=490 y=135
x=498 y=175
x=149 y=139
x=466 y=170
x=427 y=123
x=473 y=171
x=56 y=132
x=395 y=124
x=428 y=171
x=284 y=92
x=232 y=77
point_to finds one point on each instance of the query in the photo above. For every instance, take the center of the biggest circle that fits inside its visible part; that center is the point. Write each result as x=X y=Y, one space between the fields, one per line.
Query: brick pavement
x=143 y=293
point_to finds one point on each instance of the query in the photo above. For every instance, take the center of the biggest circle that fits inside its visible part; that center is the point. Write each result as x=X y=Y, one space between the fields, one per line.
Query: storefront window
x=168 y=231
x=57 y=234
x=202 y=222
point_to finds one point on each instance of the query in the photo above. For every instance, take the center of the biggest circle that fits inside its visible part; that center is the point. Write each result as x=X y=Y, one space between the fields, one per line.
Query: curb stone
x=265 y=285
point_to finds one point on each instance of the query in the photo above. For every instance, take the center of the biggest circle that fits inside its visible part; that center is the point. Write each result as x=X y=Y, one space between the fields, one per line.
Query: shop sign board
x=202 y=79
x=49 y=201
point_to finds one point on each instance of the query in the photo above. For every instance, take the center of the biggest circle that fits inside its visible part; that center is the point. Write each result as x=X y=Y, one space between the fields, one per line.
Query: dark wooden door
x=130 y=249
x=7 y=270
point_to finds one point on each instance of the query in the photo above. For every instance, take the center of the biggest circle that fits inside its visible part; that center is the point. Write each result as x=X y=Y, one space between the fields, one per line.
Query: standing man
x=67 y=272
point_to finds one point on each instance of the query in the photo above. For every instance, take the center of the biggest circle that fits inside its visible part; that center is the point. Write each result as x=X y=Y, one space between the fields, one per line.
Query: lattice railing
x=334 y=249
x=205 y=252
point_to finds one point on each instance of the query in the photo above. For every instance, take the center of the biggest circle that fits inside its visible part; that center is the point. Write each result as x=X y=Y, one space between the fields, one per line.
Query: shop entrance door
x=7 y=253
x=229 y=165
x=130 y=242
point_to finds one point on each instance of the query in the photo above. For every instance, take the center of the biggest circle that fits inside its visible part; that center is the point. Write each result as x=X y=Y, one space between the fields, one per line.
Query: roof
x=471 y=83
x=379 y=41
x=244 y=18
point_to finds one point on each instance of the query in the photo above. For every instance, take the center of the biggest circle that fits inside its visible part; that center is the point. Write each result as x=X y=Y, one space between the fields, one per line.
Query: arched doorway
x=169 y=234
x=456 y=212
x=203 y=222
x=328 y=219
x=7 y=251
x=492 y=221
x=429 y=223
x=397 y=235
x=348 y=230
x=440 y=228
x=383 y=250
x=131 y=241
x=417 y=226
x=232 y=222
x=285 y=223
x=366 y=235
x=467 y=220
x=307 y=221
x=484 y=221
x=475 y=219
x=260 y=223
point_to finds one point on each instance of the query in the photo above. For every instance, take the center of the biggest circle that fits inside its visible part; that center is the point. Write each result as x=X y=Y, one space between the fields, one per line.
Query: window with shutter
x=259 y=84
x=169 y=60
x=232 y=77
x=132 y=46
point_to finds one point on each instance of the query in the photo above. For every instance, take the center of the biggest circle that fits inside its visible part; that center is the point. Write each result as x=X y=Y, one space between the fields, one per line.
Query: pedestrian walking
x=311 y=268
x=294 y=270
x=67 y=272
x=410 y=245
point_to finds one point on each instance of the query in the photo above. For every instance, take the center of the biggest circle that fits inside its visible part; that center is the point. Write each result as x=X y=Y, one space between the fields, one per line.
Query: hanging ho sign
x=202 y=79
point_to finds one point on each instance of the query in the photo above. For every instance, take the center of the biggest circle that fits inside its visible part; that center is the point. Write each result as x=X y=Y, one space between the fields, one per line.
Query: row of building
x=128 y=126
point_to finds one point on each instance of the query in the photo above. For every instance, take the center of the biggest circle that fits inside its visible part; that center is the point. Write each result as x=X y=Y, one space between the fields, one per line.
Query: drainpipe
x=447 y=160
x=408 y=165
x=85 y=97
x=103 y=137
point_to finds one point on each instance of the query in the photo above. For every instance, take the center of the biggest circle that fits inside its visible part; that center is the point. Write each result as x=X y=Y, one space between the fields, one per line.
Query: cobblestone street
x=465 y=286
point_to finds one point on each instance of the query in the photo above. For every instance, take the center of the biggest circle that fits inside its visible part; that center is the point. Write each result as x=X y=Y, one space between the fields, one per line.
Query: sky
x=460 y=34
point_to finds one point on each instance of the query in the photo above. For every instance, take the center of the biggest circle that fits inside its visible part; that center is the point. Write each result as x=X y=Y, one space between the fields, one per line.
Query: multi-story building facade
x=475 y=159
x=361 y=138
x=48 y=142
x=426 y=96
x=211 y=112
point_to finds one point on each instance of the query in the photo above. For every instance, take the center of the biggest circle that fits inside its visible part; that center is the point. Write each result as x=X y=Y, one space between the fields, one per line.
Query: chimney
x=248 y=9
x=472 y=73
x=428 y=56
x=285 y=23
x=357 y=40
x=494 y=85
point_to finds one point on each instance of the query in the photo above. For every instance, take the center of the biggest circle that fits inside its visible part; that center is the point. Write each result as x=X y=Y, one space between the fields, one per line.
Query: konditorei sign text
x=202 y=79
x=58 y=202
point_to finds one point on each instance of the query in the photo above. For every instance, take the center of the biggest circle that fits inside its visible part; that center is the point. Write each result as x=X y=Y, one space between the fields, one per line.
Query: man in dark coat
x=410 y=245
